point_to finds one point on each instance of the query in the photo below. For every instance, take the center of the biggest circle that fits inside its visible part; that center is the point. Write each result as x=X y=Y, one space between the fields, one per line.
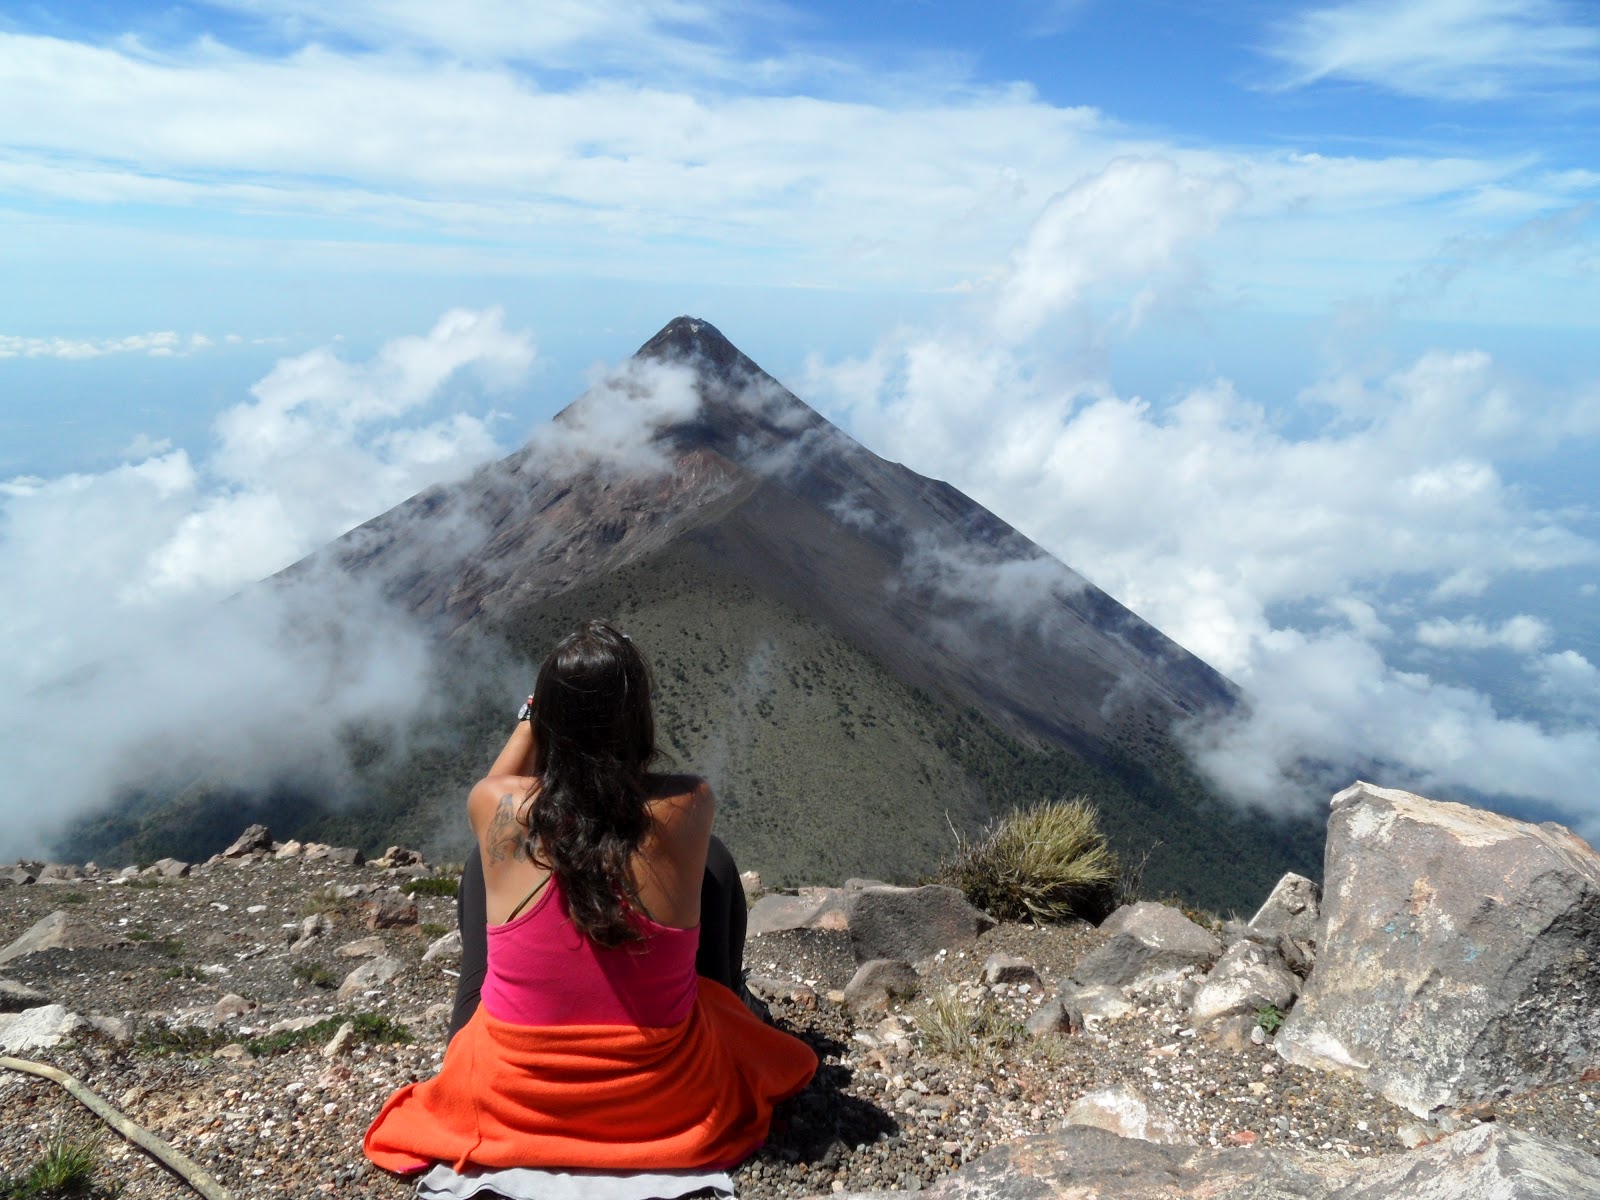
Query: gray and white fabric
x=530 y=1183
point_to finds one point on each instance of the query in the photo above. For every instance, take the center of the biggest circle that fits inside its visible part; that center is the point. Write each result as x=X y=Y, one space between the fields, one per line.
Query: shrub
x=66 y=1168
x=1049 y=862
x=974 y=1033
x=432 y=885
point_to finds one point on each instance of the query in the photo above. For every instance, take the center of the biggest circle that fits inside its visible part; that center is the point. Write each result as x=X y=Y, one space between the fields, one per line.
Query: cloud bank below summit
x=1372 y=507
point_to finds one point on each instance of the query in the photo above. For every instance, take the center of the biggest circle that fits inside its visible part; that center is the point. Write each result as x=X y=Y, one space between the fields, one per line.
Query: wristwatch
x=525 y=713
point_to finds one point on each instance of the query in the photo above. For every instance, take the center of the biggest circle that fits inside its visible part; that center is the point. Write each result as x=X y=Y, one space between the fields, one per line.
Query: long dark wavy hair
x=595 y=738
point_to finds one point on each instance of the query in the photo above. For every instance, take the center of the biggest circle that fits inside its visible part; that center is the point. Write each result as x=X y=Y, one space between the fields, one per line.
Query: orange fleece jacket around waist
x=606 y=1097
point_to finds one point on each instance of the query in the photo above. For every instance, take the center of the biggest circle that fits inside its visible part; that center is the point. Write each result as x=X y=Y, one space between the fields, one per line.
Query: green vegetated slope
x=825 y=765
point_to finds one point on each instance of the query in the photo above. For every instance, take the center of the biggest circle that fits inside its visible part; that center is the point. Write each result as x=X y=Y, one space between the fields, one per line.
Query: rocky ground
x=227 y=993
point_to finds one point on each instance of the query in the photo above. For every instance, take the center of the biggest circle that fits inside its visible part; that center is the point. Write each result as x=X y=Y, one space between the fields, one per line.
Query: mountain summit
x=857 y=656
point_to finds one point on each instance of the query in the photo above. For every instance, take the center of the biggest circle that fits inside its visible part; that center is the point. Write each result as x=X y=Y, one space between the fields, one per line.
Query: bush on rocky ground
x=1046 y=863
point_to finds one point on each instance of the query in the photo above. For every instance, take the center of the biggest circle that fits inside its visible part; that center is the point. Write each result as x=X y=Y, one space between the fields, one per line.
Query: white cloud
x=157 y=345
x=1212 y=518
x=1523 y=634
x=614 y=423
x=1571 y=683
x=475 y=165
x=118 y=574
x=1443 y=49
x=1127 y=222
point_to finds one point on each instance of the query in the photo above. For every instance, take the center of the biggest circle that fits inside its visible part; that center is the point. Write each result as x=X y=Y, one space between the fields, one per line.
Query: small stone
x=369 y=977
x=339 y=1043
x=1001 y=967
x=232 y=1006
x=388 y=909
x=446 y=948
x=368 y=947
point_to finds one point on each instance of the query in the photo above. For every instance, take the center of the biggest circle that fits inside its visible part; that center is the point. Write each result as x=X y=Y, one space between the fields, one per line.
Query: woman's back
x=543 y=971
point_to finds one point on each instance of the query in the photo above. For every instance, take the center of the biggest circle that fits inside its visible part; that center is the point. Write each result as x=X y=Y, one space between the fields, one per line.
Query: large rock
x=811 y=908
x=911 y=924
x=1079 y=1162
x=1247 y=978
x=1460 y=955
x=256 y=839
x=61 y=930
x=1147 y=940
x=1294 y=909
x=38 y=1028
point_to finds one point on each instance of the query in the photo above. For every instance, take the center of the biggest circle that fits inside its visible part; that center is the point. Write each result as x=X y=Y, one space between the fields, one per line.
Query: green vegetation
x=138 y=881
x=369 y=1028
x=65 y=1168
x=973 y=1032
x=433 y=885
x=432 y=929
x=73 y=898
x=316 y=974
x=1270 y=1018
x=1048 y=862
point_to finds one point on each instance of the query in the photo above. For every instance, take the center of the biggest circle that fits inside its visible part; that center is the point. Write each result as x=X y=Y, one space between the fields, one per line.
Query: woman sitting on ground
x=596 y=1043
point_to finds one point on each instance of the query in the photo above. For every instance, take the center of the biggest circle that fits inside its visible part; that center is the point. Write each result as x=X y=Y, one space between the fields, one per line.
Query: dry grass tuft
x=1045 y=863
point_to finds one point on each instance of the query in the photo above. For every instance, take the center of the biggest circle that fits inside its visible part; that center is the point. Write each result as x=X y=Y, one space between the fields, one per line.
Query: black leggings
x=722 y=925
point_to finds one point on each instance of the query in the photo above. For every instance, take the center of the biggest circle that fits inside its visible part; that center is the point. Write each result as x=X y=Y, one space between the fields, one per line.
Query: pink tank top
x=542 y=971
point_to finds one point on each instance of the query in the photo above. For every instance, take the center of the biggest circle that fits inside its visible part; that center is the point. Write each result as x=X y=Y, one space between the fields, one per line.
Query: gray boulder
x=169 y=868
x=1247 y=978
x=1460 y=957
x=1487 y=1162
x=60 y=873
x=911 y=924
x=61 y=930
x=810 y=908
x=1146 y=941
x=1294 y=908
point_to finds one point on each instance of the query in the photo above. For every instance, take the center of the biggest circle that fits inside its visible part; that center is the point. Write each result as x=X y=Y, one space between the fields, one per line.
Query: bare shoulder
x=682 y=800
x=496 y=807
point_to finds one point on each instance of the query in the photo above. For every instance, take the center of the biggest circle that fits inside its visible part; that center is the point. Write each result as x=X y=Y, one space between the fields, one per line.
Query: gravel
x=888 y=1109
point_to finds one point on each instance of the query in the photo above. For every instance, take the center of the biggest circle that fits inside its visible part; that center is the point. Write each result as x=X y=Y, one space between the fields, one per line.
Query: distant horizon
x=1281 y=326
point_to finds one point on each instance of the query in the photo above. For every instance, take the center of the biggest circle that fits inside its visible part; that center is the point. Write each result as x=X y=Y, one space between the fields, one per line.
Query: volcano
x=861 y=659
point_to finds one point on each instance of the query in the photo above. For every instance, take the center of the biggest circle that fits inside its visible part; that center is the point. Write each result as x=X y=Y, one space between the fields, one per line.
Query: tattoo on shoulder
x=503 y=839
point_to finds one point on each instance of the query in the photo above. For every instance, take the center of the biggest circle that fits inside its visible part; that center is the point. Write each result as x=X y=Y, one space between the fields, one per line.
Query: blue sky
x=1318 y=280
